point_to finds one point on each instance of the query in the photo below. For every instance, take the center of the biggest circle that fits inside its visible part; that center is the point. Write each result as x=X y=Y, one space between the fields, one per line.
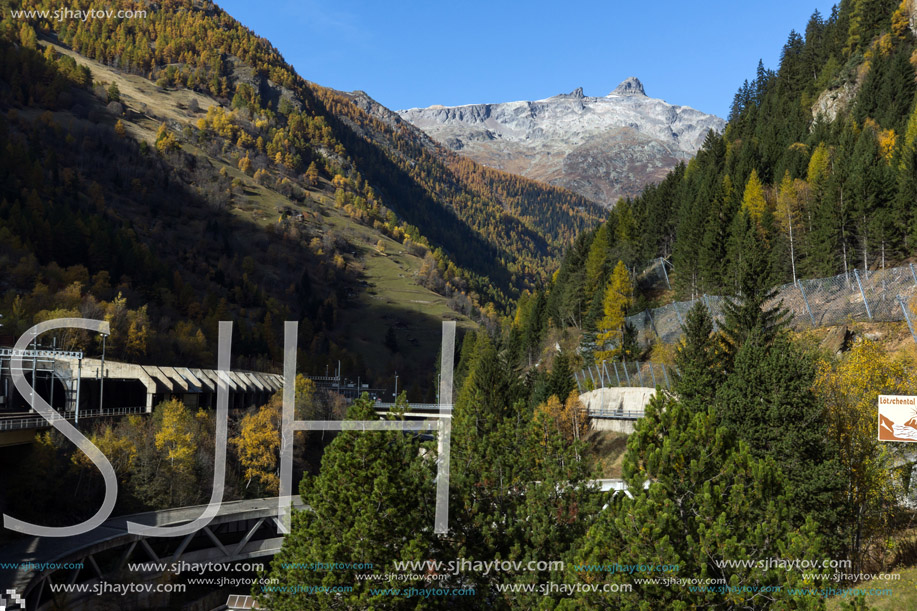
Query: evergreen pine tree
x=518 y=489
x=561 y=382
x=746 y=313
x=698 y=371
x=767 y=401
x=558 y=507
x=595 y=260
x=699 y=497
x=685 y=254
x=372 y=502
x=712 y=258
x=906 y=197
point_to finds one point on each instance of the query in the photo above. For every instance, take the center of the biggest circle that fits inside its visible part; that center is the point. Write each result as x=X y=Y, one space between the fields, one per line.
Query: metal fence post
x=591 y=376
x=862 y=294
x=639 y=373
x=907 y=317
x=652 y=322
x=913 y=273
x=665 y=376
x=666 y=274
x=605 y=371
x=579 y=386
x=653 y=371
x=626 y=375
x=806 y=300
x=617 y=377
x=601 y=379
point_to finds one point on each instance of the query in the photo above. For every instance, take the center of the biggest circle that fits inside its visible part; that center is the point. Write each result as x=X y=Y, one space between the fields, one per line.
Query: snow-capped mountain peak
x=601 y=147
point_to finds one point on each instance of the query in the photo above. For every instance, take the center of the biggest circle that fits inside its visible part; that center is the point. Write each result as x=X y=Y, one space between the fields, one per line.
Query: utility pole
x=396 y=386
x=79 y=379
x=34 y=367
x=102 y=374
x=51 y=375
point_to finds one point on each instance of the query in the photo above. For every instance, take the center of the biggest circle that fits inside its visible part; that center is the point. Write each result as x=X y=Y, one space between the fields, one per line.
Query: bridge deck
x=113 y=533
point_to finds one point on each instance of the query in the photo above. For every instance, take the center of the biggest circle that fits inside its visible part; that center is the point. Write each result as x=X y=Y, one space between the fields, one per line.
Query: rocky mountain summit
x=601 y=147
x=629 y=86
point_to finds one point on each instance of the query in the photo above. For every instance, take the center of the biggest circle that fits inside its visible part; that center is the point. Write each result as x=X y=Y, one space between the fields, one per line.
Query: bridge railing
x=14 y=423
x=616 y=414
x=412 y=406
x=6 y=353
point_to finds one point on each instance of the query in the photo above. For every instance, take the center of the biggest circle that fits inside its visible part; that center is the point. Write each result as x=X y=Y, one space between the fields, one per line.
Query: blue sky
x=407 y=53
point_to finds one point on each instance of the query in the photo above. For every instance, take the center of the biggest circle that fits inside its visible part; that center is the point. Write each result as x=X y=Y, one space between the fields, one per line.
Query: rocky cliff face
x=601 y=147
x=833 y=102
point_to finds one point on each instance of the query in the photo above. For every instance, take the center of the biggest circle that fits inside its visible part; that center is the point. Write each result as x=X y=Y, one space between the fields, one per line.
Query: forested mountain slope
x=171 y=171
x=816 y=171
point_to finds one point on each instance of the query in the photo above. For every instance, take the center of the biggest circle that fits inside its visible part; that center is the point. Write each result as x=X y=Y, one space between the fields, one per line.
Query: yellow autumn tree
x=569 y=417
x=262 y=176
x=888 y=140
x=175 y=437
x=27 y=36
x=258 y=446
x=787 y=211
x=304 y=398
x=819 y=163
x=138 y=332
x=258 y=442
x=120 y=451
x=165 y=140
x=116 y=316
x=67 y=339
x=618 y=297
x=753 y=200
x=900 y=19
x=312 y=174
x=850 y=388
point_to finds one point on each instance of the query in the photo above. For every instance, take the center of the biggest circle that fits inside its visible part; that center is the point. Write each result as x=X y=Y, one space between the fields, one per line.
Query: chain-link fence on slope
x=884 y=295
x=608 y=374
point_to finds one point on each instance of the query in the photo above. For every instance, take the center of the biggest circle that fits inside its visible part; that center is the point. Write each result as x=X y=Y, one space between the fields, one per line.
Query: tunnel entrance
x=115 y=394
x=13 y=401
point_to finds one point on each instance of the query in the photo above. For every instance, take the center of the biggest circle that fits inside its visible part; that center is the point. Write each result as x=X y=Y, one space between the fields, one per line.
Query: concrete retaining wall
x=626 y=401
x=625 y=398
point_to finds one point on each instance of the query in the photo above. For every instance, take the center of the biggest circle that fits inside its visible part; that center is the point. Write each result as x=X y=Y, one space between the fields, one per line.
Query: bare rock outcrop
x=833 y=102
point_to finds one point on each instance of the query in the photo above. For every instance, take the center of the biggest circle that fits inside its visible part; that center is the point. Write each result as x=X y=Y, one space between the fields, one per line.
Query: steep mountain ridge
x=299 y=204
x=600 y=147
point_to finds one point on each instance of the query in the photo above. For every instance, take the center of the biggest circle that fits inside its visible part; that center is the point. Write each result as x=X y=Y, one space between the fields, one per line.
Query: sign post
x=898 y=418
